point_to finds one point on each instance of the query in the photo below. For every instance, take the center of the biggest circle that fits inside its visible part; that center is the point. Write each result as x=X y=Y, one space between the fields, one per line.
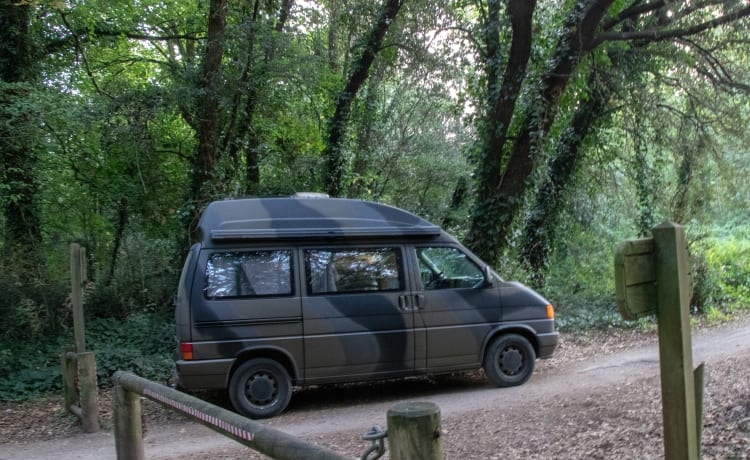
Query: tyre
x=509 y=360
x=260 y=388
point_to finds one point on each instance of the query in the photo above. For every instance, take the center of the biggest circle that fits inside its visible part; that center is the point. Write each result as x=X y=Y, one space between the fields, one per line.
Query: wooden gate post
x=681 y=438
x=128 y=425
x=89 y=398
x=652 y=276
x=414 y=431
x=77 y=277
x=69 y=375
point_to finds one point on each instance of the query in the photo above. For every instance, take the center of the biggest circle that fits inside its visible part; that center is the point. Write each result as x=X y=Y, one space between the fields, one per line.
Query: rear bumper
x=547 y=344
x=207 y=373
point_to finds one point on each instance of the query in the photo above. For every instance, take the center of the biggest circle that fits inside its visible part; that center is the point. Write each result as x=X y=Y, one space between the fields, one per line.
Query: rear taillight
x=186 y=350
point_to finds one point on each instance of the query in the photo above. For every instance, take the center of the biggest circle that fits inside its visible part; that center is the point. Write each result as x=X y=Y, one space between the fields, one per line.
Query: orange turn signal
x=550 y=312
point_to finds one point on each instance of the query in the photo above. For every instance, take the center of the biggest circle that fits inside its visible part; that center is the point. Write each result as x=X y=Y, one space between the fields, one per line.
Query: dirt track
x=598 y=398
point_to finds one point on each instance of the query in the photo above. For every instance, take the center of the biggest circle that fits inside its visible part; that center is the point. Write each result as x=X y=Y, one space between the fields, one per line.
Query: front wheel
x=260 y=388
x=509 y=360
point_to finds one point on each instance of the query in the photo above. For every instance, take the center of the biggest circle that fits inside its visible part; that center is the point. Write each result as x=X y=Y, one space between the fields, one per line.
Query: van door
x=356 y=321
x=455 y=305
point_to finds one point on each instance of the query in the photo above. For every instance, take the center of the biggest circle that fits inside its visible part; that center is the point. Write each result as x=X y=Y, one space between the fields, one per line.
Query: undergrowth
x=143 y=343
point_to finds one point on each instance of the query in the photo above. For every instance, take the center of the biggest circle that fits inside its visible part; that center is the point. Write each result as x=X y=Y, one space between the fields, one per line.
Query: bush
x=142 y=343
x=723 y=276
x=143 y=281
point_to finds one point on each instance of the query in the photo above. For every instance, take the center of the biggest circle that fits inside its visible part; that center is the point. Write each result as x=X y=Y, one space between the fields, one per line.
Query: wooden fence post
x=652 y=276
x=675 y=347
x=79 y=366
x=88 y=396
x=76 y=296
x=414 y=431
x=128 y=425
x=69 y=375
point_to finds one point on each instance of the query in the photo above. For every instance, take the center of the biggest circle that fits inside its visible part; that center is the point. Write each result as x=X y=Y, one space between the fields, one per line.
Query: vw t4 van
x=294 y=291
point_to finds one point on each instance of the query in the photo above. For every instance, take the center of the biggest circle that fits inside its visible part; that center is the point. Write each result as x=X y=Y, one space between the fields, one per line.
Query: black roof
x=305 y=217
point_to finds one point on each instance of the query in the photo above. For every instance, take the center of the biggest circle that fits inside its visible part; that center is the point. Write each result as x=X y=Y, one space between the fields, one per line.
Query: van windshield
x=447 y=267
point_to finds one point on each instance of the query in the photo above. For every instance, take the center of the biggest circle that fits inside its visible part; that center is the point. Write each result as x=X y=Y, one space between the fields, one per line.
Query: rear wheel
x=509 y=360
x=260 y=388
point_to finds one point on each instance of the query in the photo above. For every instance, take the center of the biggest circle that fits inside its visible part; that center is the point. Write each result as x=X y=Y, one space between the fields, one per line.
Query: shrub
x=727 y=267
x=142 y=343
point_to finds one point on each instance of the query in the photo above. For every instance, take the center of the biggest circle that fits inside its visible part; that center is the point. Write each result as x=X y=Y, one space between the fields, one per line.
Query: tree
x=337 y=125
x=18 y=132
x=589 y=25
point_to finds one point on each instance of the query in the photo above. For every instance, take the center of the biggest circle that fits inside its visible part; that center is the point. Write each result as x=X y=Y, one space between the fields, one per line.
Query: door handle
x=418 y=301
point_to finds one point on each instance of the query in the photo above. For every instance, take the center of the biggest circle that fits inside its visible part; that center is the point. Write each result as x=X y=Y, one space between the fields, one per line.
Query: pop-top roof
x=306 y=217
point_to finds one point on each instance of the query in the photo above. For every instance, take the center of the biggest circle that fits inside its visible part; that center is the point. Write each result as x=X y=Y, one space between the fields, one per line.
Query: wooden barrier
x=129 y=432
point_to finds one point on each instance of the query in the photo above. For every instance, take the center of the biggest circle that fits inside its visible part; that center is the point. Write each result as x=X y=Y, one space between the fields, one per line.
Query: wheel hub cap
x=261 y=389
x=511 y=361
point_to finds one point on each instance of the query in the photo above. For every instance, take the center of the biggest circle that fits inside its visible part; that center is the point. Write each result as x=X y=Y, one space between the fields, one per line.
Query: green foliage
x=143 y=281
x=30 y=368
x=32 y=304
x=142 y=343
x=727 y=269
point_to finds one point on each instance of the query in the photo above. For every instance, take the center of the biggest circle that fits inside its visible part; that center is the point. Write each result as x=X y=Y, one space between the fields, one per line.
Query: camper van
x=295 y=291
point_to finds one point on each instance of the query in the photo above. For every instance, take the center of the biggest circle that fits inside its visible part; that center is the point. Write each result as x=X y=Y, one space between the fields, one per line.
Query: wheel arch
x=277 y=354
x=520 y=329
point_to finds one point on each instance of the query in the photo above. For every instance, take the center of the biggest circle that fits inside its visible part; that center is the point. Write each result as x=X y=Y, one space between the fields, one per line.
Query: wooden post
x=69 y=375
x=76 y=296
x=414 y=431
x=675 y=348
x=128 y=428
x=698 y=381
x=89 y=398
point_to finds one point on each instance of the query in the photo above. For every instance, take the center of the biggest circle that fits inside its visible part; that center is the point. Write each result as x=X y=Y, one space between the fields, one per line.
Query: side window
x=446 y=267
x=353 y=270
x=249 y=274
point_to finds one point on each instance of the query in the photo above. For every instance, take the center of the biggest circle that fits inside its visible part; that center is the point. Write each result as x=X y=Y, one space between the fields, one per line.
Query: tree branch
x=655 y=35
x=85 y=61
x=636 y=9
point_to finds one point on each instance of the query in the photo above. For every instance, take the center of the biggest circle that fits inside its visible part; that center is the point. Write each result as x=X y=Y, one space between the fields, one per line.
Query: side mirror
x=487 y=282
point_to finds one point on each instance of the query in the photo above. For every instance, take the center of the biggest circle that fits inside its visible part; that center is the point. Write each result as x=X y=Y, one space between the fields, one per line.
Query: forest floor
x=598 y=398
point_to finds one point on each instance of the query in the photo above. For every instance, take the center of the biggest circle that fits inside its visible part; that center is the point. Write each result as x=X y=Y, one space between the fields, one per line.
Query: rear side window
x=249 y=274
x=349 y=270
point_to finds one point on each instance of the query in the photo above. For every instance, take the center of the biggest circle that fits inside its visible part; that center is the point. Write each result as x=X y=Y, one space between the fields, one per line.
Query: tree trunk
x=334 y=154
x=208 y=124
x=210 y=111
x=18 y=136
x=122 y=223
x=501 y=103
x=539 y=229
x=501 y=191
